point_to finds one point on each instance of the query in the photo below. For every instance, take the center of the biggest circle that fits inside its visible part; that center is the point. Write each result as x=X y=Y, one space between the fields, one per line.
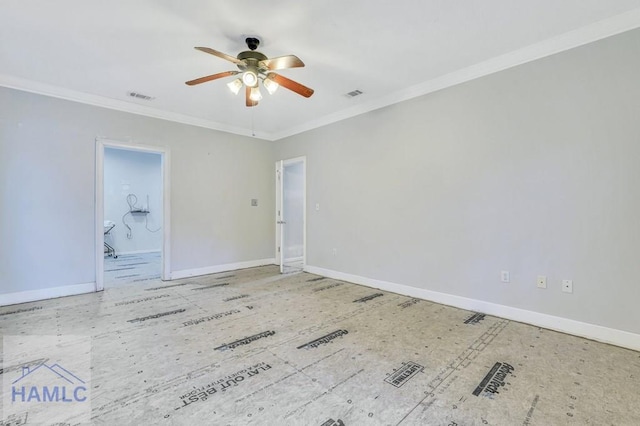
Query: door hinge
x=278 y=249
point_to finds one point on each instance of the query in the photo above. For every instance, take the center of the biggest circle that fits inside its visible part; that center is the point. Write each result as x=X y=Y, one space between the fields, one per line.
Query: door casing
x=101 y=144
x=279 y=213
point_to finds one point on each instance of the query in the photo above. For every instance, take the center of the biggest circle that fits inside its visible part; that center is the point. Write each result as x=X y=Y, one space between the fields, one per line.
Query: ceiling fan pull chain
x=253 y=133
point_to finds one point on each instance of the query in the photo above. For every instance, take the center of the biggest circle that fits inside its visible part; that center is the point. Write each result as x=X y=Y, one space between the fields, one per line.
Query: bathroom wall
x=138 y=174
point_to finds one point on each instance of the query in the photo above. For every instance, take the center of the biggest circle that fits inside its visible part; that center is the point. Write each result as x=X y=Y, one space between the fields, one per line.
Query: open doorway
x=131 y=214
x=291 y=214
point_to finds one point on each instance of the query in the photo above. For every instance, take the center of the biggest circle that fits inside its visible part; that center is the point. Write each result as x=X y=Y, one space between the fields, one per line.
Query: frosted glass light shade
x=255 y=94
x=270 y=85
x=235 y=86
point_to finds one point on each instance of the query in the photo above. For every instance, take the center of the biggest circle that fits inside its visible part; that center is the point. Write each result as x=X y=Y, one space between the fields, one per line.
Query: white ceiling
x=96 y=51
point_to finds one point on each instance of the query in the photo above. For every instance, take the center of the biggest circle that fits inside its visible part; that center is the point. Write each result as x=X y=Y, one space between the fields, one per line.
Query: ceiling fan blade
x=211 y=77
x=282 y=62
x=249 y=102
x=220 y=55
x=291 y=85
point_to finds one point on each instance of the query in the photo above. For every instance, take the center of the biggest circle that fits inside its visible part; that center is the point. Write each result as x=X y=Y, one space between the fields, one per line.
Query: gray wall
x=47 y=178
x=533 y=170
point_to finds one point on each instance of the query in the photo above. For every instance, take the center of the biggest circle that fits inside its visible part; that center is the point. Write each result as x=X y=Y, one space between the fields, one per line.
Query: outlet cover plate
x=567 y=286
x=542 y=281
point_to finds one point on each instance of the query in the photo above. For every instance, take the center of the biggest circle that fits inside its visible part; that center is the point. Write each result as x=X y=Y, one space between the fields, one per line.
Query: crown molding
x=45 y=89
x=581 y=36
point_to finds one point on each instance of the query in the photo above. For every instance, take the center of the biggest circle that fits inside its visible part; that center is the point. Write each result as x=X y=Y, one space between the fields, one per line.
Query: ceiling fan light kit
x=250 y=78
x=255 y=67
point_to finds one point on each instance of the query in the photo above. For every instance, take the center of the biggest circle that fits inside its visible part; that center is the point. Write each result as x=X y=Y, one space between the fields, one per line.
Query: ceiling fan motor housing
x=252 y=57
x=252 y=60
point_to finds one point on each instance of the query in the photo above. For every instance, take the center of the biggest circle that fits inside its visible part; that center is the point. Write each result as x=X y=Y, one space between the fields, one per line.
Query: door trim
x=101 y=144
x=280 y=164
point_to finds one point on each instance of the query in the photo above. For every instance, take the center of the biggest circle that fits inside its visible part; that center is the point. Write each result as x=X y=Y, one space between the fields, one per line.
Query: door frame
x=279 y=173
x=101 y=144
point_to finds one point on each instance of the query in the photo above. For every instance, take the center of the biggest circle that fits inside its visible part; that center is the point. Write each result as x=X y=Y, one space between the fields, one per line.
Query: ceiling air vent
x=354 y=93
x=140 y=96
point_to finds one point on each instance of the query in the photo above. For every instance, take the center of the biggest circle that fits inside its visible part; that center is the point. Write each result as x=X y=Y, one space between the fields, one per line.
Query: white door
x=291 y=214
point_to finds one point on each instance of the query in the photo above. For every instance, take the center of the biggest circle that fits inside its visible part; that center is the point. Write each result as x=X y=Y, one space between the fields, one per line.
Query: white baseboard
x=176 y=275
x=45 y=293
x=590 y=331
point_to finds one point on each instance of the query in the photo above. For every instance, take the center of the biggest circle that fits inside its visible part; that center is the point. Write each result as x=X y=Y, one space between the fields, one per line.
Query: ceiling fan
x=255 y=67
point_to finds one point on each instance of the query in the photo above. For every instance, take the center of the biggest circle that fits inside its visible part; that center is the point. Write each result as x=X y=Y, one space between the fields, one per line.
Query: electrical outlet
x=542 y=281
x=504 y=276
x=567 y=286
